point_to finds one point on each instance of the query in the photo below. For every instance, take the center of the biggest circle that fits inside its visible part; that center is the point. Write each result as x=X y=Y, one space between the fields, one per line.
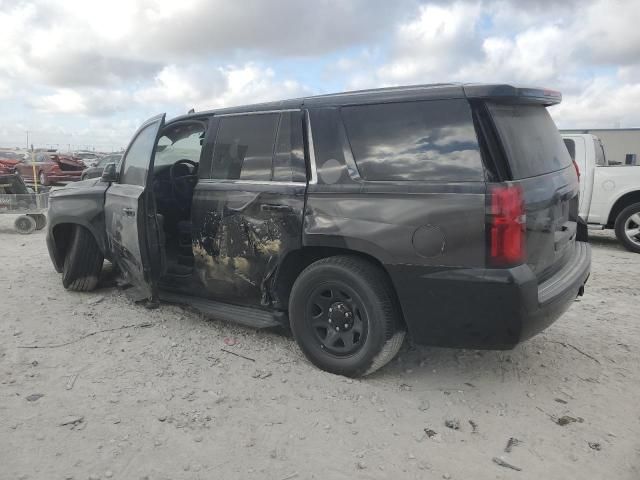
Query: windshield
x=109 y=159
x=530 y=138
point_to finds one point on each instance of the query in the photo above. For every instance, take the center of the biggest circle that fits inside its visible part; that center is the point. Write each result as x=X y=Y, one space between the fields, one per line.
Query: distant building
x=620 y=144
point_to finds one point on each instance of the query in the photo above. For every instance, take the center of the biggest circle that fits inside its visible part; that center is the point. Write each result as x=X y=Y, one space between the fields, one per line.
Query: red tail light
x=575 y=164
x=507 y=226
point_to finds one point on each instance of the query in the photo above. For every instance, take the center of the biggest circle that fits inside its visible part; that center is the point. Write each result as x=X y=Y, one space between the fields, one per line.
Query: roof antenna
x=193 y=110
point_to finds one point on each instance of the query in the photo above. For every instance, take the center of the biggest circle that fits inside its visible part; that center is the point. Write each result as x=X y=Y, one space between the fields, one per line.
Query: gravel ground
x=164 y=401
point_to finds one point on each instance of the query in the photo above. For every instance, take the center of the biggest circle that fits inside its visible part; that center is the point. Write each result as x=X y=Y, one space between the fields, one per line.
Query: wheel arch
x=296 y=261
x=620 y=204
x=60 y=239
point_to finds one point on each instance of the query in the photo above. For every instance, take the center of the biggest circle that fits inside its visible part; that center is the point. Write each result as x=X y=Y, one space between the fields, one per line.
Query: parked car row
x=50 y=168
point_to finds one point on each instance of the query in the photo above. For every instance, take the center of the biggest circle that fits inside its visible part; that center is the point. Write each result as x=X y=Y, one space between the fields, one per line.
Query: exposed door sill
x=247 y=316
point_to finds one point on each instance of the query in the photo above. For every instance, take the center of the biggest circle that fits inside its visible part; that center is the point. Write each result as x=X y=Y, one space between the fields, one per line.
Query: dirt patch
x=165 y=401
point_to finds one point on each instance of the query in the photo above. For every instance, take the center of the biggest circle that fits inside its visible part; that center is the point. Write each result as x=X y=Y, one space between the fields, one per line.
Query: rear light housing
x=575 y=165
x=506 y=226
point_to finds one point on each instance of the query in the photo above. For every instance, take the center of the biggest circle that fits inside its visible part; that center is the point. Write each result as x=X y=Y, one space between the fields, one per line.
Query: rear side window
x=530 y=139
x=600 y=159
x=244 y=147
x=571 y=147
x=416 y=141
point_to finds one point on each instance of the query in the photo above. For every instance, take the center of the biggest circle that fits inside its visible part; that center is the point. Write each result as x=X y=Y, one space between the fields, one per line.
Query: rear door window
x=530 y=139
x=414 y=141
x=244 y=147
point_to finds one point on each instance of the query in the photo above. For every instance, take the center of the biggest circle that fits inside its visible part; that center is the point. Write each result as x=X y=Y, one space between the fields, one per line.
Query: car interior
x=175 y=177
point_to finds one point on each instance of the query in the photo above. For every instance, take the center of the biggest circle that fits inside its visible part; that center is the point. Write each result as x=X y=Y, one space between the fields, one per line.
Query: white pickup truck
x=609 y=194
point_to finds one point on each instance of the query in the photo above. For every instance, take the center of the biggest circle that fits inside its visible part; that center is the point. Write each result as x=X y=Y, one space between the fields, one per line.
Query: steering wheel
x=183 y=185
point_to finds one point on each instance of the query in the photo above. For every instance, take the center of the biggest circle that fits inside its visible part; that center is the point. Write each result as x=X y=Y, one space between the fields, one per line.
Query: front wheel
x=344 y=316
x=83 y=262
x=627 y=227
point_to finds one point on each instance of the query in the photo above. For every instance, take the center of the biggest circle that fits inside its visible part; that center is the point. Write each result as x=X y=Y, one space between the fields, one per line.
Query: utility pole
x=27 y=139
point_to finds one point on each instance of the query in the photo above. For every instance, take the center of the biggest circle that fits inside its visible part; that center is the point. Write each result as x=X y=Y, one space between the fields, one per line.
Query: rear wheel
x=627 y=227
x=25 y=224
x=344 y=316
x=83 y=262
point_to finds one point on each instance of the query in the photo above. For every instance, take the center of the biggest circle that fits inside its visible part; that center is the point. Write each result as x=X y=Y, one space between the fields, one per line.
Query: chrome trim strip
x=252 y=182
x=312 y=151
x=258 y=112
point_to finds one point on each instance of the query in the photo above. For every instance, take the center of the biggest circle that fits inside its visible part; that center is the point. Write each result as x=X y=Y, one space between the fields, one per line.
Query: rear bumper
x=486 y=308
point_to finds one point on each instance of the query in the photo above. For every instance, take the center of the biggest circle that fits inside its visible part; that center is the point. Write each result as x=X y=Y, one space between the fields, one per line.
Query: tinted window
x=531 y=140
x=600 y=159
x=244 y=147
x=288 y=161
x=571 y=147
x=137 y=159
x=429 y=140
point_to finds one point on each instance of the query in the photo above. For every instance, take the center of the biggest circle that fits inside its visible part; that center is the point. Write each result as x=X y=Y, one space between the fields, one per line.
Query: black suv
x=446 y=211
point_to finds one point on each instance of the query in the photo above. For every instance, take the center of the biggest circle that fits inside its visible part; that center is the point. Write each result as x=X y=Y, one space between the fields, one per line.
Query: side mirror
x=110 y=174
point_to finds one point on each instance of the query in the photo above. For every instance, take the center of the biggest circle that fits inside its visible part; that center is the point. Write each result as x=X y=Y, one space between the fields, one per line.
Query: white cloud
x=439 y=40
x=205 y=86
x=76 y=62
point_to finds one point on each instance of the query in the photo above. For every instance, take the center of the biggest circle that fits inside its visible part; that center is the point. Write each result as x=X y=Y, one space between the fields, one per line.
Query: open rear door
x=130 y=213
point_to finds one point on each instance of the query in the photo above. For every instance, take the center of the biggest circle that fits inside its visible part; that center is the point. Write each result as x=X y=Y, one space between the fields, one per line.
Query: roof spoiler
x=511 y=94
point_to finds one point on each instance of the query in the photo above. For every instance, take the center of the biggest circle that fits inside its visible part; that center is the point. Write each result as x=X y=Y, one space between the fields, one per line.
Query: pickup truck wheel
x=83 y=262
x=628 y=227
x=25 y=224
x=344 y=316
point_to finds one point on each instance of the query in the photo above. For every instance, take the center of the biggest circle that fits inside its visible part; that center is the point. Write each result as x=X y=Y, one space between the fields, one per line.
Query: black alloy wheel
x=337 y=318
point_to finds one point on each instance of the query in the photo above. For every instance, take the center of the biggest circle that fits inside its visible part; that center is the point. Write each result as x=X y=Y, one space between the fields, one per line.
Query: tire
x=322 y=298
x=43 y=179
x=83 y=262
x=41 y=220
x=627 y=222
x=25 y=224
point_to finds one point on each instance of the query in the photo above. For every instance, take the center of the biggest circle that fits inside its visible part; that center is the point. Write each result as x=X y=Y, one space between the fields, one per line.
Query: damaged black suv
x=446 y=211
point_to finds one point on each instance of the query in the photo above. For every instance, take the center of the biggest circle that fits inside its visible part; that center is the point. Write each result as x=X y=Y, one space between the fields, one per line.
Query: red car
x=51 y=168
x=8 y=161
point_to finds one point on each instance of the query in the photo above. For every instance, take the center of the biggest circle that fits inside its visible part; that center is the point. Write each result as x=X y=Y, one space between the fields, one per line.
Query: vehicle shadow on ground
x=445 y=368
x=606 y=241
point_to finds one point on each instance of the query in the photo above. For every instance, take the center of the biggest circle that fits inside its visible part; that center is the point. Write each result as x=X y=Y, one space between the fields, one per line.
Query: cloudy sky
x=86 y=72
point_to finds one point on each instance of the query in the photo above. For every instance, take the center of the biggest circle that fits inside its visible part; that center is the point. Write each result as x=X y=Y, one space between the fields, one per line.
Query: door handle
x=129 y=212
x=269 y=207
